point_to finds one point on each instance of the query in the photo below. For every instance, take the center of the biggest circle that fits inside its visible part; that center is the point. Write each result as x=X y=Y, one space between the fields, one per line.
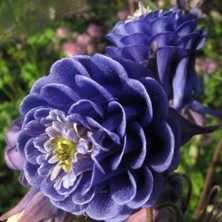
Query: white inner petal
x=55 y=171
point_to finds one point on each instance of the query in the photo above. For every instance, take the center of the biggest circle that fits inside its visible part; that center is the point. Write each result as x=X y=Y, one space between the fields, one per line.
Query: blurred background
x=35 y=33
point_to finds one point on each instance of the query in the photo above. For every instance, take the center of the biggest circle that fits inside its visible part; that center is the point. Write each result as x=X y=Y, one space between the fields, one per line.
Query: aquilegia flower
x=166 y=42
x=96 y=137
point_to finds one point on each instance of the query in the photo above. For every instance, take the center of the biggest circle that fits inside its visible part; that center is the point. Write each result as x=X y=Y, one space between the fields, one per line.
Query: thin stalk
x=208 y=180
x=149 y=214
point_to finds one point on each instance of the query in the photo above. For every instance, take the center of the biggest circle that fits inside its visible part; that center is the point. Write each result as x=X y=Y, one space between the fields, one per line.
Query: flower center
x=64 y=150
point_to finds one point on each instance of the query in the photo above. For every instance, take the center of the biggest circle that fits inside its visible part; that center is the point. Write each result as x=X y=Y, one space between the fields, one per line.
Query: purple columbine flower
x=166 y=42
x=96 y=137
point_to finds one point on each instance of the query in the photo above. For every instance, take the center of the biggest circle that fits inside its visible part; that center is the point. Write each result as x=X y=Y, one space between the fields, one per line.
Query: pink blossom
x=83 y=39
x=90 y=49
x=94 y=31
x=62 y=32
x=122 y=14
x=206 y=65
x=71 y=48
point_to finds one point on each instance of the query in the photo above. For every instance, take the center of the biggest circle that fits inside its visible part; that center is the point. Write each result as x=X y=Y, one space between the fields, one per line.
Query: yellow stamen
x=64 y=150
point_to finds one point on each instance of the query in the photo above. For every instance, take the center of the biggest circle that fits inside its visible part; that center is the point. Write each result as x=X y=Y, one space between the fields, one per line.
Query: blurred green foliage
x=28 y=47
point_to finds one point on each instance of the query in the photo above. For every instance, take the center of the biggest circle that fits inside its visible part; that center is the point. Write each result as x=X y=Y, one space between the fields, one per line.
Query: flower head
x=94 y=31
x=96 y=137
x=166 y=43
x=83 y=39
x=122 y=14
x=63 y=32
x=72 y=48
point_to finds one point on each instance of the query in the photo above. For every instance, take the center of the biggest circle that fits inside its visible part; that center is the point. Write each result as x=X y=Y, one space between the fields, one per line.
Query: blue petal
x=163 y=39
x=39 y=142
x=188 y=41
x=161 y=24
x=138 y=53
x=59 y=95
x=145 y=182
x=80 y=199
x=68 y=206
x=83 y=164
x=47 y=187
x=137 y=154
x=36 y=87
x=89 y=89
x=32 y=176
x=32 y=101
x=117 y=158
x=167 y=59
x=123 y=188
x=87 y=108
x=133 y=69
x=152 y=15
x=104 y=129
x=158 y=97
x=45 y=168
x=179 y=83
x=65 y=70
x=157 y=188
x=107 y=71
x=115 y=37
x=202 y=38
x=114 y=51
x=23 y=138
x=40 y=113
x=186 y=27
x=135 y=26
x=140 y=38
x=174 y=125
x=120 y=28
x=115 y=107
x=34 y=128
x=138 y=95
x=103 y=207
x=161 y=145
x=31 y=152
x=125 y=213
x=82 y=194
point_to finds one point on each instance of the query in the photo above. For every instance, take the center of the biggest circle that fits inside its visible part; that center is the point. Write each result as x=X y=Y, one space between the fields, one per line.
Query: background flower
x=72 y=48
x=206 y=65
x=94 y=31
x=166 y=43
x=122 y=14
x=63 y=32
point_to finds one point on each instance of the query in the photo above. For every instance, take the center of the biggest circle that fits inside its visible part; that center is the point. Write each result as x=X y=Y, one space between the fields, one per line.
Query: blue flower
x=96 y=137
x=166 y=42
